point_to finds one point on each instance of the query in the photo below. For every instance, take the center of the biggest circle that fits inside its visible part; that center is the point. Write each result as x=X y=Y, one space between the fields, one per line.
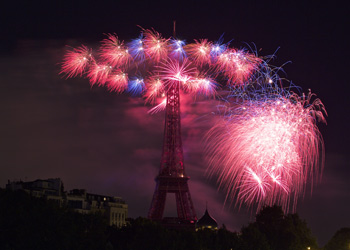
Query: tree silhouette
x=287 y=232
x=340 y=240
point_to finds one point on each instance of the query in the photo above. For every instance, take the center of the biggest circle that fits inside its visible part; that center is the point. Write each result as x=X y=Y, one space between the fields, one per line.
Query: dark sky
x=108 y=144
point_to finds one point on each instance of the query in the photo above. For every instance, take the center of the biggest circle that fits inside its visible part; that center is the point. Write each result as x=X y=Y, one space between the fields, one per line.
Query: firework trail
x=264 y=149
x=150 y=64
x=160 y=107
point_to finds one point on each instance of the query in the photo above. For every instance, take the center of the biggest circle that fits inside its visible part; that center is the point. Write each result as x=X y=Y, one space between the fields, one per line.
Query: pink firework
x=174 y=71
x=151 y=56
x=114 y=52
x=76 y=61
x=203 y=85
x=118 y=81
x=156 y=47
x=237 y=65
x=200 y=51
x=155 y=88
x=99 y=73
x=265 y=151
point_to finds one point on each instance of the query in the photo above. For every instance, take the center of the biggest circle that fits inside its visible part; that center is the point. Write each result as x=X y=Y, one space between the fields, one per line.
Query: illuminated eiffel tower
x=172 y=177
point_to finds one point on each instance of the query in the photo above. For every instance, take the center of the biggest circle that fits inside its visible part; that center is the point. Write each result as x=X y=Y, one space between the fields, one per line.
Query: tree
x=340 y=240
x=253 y=239
x=287 y=232
x=227 y=239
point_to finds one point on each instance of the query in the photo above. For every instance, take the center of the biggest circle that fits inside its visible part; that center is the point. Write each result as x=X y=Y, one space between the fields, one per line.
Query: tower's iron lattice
x=172 y=177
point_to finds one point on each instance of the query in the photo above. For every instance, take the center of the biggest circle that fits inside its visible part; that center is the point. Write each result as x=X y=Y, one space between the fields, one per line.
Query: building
x=206 y=222
x=114 y=209
x=50 y=189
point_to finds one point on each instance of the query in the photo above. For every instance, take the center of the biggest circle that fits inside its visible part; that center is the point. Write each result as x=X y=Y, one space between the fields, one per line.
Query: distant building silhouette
x=51 y=189
x=114 y=209
x=206 y=222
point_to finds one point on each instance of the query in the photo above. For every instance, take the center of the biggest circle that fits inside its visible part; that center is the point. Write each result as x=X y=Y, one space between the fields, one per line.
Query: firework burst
x=99 y=73
x=118 y=81
x=150 y=64
x=177 y=50
x=137 y=50
x=264 y=151
x=237 y=66
x=156 y=47
x=76 y=61
x=200 y=51
x=203 y=85
x=114 y=52
x=155 y=88
x=173 y=71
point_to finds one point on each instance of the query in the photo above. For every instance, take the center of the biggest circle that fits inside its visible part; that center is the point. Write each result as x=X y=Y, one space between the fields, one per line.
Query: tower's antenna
x=174 y=29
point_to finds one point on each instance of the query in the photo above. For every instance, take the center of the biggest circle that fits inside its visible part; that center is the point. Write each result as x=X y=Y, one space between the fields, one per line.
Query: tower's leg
x=185 y=209
x=179 y=186
x=158 y=204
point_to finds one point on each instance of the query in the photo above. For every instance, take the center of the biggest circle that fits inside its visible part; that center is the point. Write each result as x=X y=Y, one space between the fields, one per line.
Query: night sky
x=108 y=144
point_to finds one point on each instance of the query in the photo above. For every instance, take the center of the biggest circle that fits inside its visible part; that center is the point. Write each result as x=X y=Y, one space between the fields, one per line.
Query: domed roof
x=207 y=221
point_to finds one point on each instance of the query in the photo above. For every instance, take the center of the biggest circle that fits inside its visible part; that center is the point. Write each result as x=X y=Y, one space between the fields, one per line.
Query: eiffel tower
x=172 y=177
